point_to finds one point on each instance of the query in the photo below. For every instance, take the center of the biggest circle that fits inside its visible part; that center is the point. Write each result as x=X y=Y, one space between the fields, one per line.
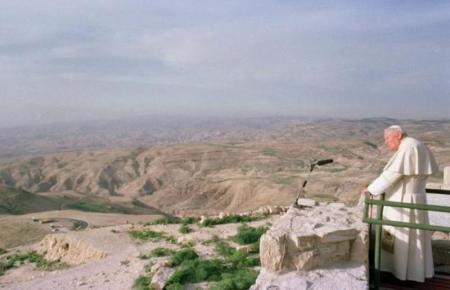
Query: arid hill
x=227 y=174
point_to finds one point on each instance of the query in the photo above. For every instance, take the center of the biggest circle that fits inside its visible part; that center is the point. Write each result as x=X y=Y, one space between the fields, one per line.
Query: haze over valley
x=163 y=144
x=200 y=166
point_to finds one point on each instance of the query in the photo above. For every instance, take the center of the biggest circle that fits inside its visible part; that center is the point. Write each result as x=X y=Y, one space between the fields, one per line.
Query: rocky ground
x=108 y=258
x=16 y=230
x=234 y=175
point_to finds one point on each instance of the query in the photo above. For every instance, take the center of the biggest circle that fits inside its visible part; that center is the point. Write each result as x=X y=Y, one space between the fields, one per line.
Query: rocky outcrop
x=161 y=277
x=70 y=251
x=324 y=244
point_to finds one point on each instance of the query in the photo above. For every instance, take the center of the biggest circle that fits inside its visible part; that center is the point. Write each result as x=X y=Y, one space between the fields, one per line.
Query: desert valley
x=102 y=182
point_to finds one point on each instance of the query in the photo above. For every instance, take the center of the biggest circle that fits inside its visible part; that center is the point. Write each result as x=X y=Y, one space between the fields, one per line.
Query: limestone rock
x=159 y=264
x=263 y=211
x=68 y=250
x=186 y=239
x=306 y=202
x=244 y=248
x=272 y=250
x=337 y=204
x=348 y=277
x=310 y=239
x=161 y=277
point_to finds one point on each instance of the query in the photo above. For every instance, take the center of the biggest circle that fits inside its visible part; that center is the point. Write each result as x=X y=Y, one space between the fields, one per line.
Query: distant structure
x=437 y=218
x=447 y=177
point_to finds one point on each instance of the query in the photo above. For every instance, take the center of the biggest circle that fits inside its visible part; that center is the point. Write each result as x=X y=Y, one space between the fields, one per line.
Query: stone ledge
x=346 y=276
x=307 y=241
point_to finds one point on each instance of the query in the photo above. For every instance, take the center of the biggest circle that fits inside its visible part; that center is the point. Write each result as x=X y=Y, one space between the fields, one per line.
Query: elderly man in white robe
x=409 y=256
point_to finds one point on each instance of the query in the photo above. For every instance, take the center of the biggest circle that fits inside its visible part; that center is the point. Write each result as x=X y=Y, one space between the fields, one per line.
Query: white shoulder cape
x=412 y=158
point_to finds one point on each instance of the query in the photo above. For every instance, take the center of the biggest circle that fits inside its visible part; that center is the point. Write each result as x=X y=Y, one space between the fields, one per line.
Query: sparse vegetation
x=142 y=283
x=197 y=270
x=248 y=235
x=175 y=286
x=149 y=235
x=182 y=256
x=162 y=252
x=167 y=220
x=170 y=220
x=240 y=279
x=223 y=249
x=185 y=229
x=213 y=240
x=269 y=152
x=231 y=271
x=18 y=201
x=190 y=220
x=78 y=225
x=188 y=244
x=3 y=251
x=284 y=180
x=209 y=222
x=236 y=258
x=31 y=257
x=92 y=206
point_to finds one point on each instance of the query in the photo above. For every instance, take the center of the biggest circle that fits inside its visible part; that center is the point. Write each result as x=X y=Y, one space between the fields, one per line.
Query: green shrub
x=248 y=235
x=165 y=221
x=196 y=270
x=209 y=222
x=142 y=283
x=179 y=257
x=230 y=272
x=213 y=240
x=170 y=220
x=162 y=252
x=31 y=257
x=188 y=244
x=223 y=249
x=241 y=279
x=190 y=220
x=255 y=248
x=175 y=286
x=185 y=229
x=149 y=235
x=235 y=258
x=241 y=260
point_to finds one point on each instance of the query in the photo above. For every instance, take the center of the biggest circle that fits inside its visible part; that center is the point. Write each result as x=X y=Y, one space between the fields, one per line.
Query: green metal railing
x=379 y=222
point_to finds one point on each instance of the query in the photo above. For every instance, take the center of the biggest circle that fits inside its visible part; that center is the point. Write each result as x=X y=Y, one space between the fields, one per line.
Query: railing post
x=378 y=222
x=377 y=262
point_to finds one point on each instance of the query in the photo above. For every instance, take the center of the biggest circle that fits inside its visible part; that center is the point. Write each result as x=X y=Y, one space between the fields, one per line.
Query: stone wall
x=324 y=244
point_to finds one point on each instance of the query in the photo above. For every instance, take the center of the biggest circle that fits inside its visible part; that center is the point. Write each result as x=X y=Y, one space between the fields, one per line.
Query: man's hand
x=365 y=193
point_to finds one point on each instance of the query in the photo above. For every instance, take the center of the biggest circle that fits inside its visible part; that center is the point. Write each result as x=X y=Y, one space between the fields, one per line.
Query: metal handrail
x=379 y=222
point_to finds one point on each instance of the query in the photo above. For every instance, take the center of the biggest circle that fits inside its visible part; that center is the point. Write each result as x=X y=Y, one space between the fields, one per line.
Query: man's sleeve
x=383 y=182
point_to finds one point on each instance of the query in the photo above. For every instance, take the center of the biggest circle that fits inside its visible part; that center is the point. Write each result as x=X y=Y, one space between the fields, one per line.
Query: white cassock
x=403 y=180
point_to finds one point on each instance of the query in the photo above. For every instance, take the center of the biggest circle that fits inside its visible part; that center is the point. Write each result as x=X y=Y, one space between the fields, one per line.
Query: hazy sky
x=71 y=60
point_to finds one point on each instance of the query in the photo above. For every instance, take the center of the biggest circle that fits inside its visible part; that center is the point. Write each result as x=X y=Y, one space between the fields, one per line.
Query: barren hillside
x=227 y=174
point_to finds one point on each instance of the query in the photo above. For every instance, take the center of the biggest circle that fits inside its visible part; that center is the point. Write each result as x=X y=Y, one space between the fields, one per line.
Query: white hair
x=395 y=128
